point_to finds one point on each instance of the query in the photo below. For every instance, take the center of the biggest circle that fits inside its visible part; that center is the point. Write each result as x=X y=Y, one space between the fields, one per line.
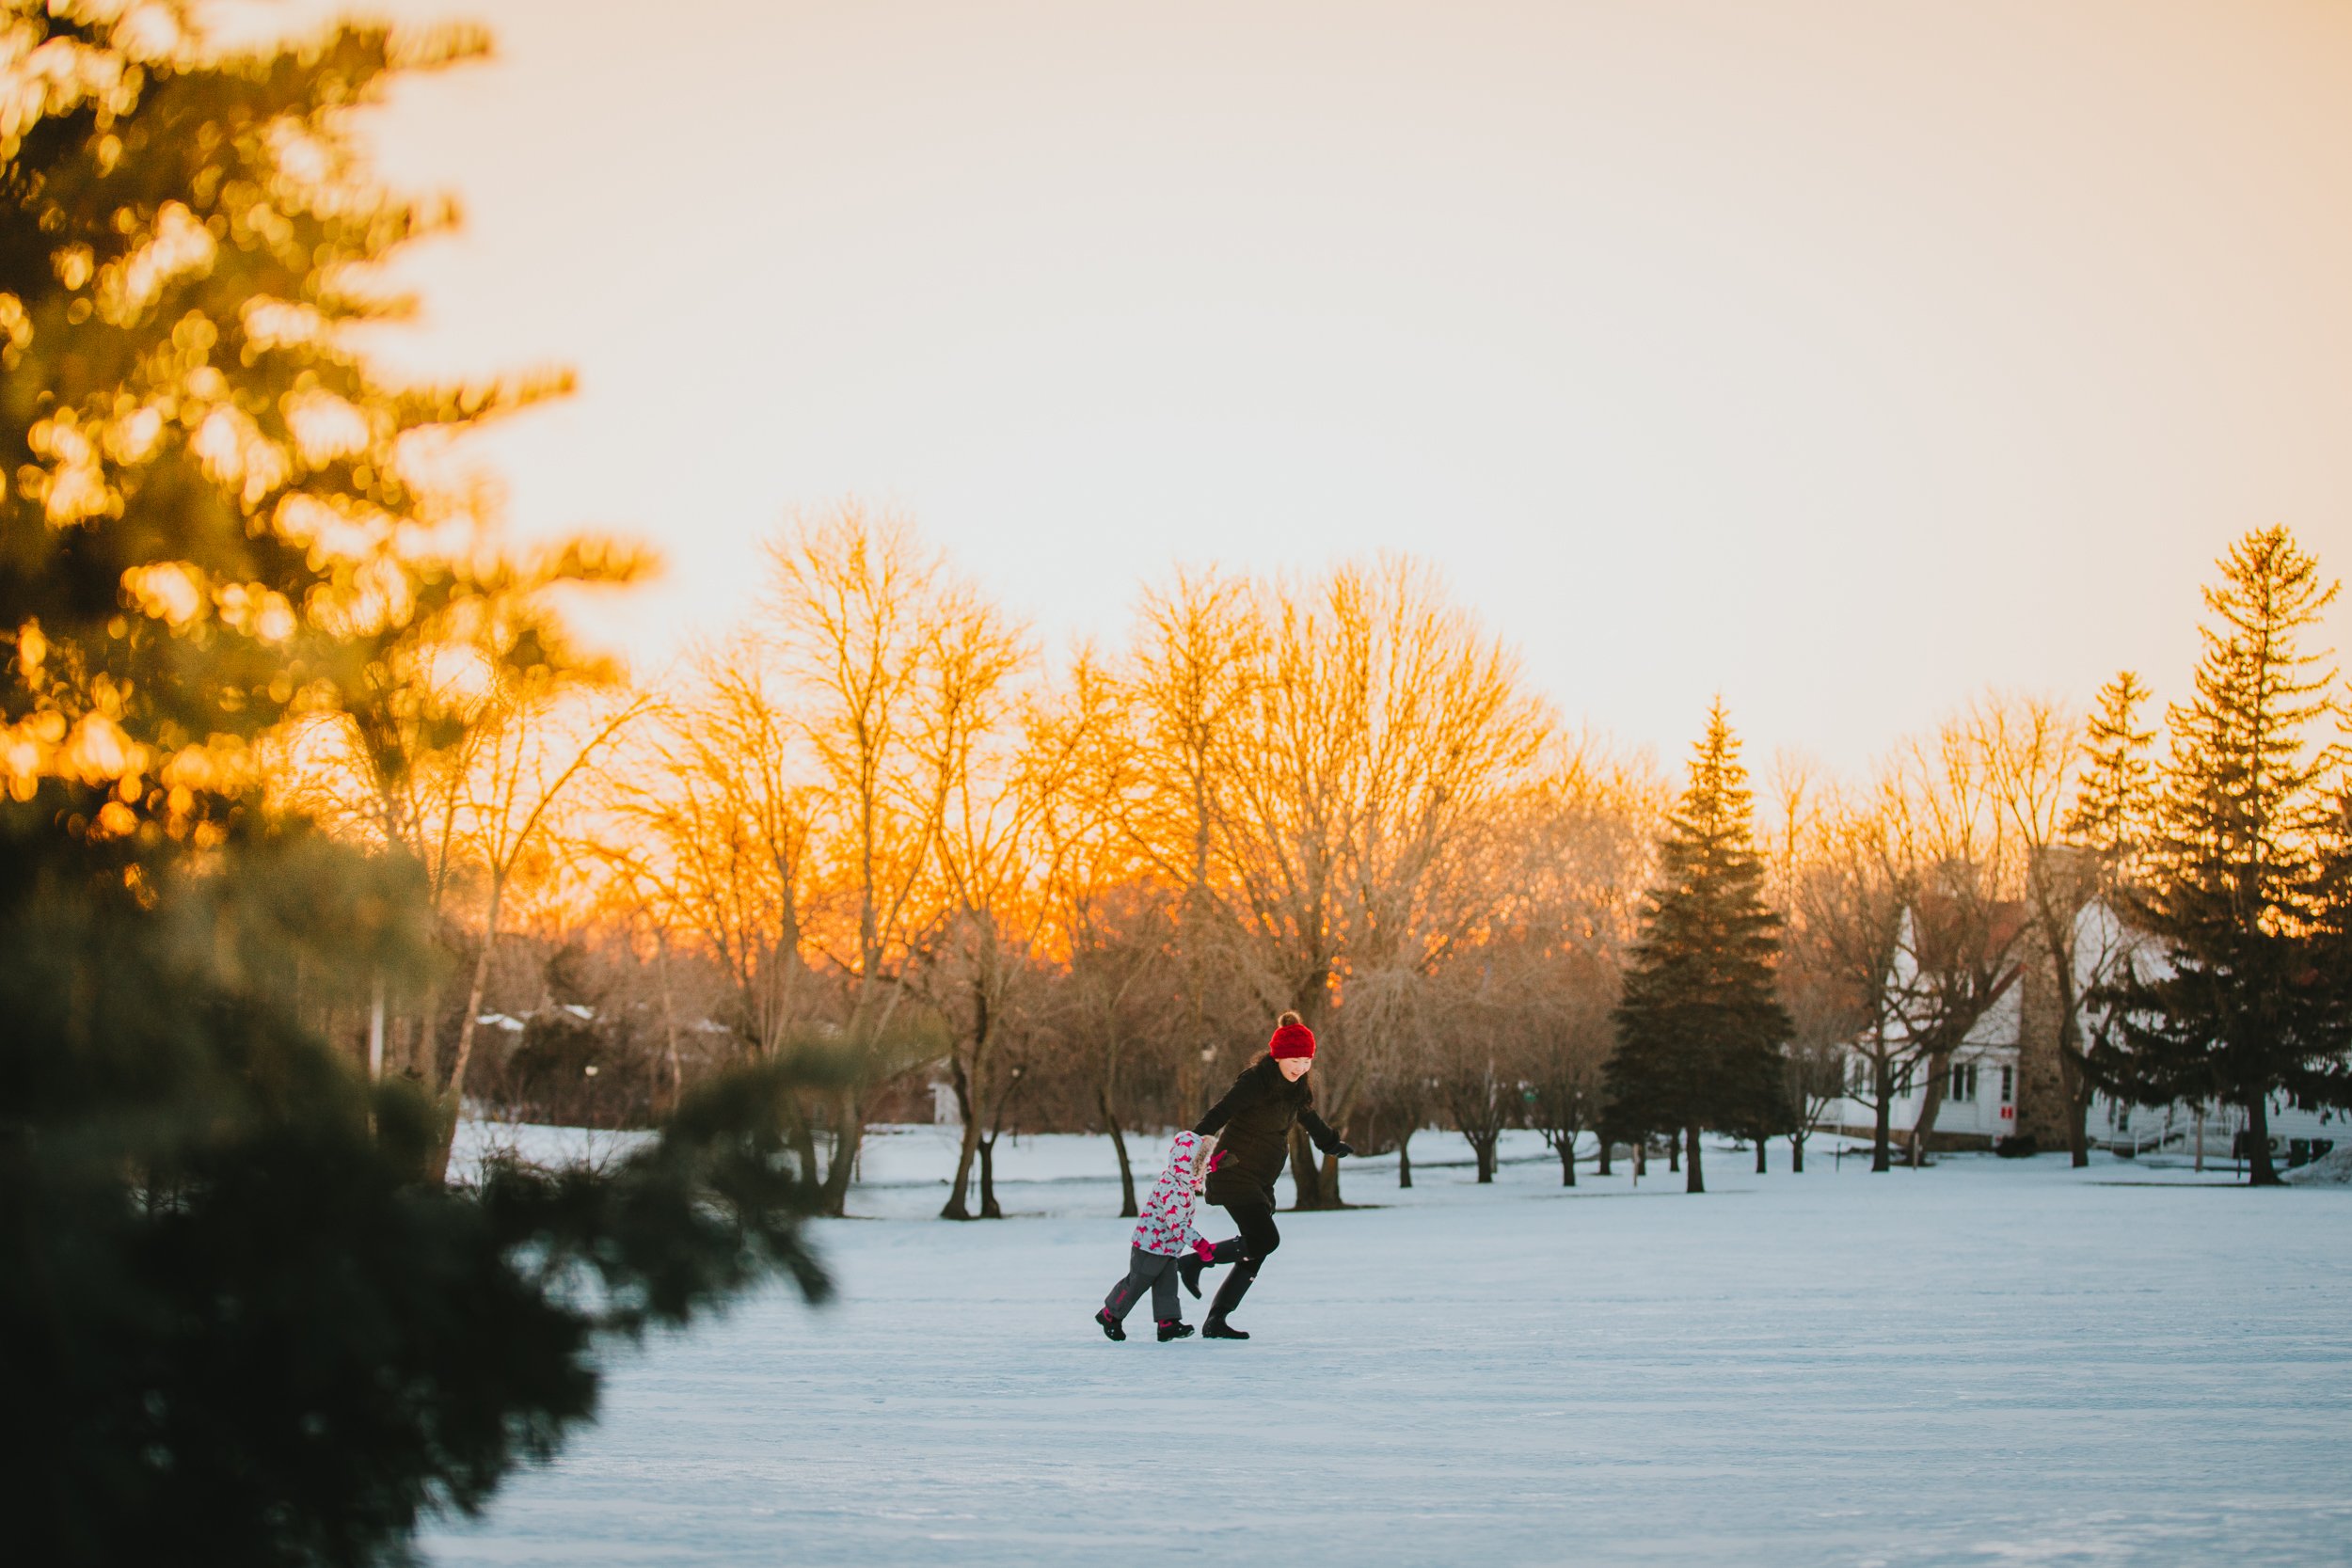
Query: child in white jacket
x=1163 y=1234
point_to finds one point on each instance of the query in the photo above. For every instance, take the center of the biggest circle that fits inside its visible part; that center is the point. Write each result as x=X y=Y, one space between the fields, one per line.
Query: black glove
x=1343 y=1149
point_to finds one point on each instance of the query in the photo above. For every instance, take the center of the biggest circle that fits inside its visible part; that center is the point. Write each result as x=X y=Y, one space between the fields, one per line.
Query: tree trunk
x=1604 y=1170
x=1483 y=1149
x=1106 y=1097
x=1697 y=1183
x=2074 y=1083
x=1762 y=1143
x=1127 y=1207
x=669 y=1023
x=989 y=1210
x=453 y=1097
x=2260 y=1172
x=1405 y=1159
x=847 y=1132
x=805 y=1145
x=1882 y=1133
x=424 y=1043
x=1568 y=1160
x=1673 y=1154
x=1796 y=1154
x=1930 y=1104
x=1305 y=1177
x=968 y=1149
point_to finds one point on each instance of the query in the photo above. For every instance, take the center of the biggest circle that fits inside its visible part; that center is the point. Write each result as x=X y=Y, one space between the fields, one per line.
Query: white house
x=2004 y=1078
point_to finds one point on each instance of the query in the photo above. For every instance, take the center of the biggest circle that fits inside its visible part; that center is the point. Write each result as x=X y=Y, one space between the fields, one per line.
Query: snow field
x=1987 y=1362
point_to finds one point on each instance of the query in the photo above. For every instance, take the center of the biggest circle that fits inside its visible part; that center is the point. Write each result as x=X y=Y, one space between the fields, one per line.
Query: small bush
x=2019 y=1146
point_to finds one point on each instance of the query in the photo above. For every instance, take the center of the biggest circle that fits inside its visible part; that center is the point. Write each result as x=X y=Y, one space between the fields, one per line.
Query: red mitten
x=1201 y=1248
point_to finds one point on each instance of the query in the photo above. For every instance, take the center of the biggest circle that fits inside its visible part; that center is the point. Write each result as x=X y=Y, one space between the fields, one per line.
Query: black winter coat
x=1255 y=1116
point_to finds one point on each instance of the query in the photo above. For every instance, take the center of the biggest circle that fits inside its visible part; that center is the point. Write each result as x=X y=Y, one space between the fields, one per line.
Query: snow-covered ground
x=1987 y=1362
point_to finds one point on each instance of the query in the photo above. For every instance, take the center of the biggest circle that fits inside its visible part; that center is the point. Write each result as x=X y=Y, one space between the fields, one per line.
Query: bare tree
x=1117 y=922
x=1123 y=994
x=1826 y=1008
x=1964 y=933
x=1187 y=690
x=1852 y=895
x=1571 y=1038
x=1580 y=850
x=991 y=795
x=1384 y=728
x=1478 y=1044
x=850 y=613
x=718 y=822
x=536 y=747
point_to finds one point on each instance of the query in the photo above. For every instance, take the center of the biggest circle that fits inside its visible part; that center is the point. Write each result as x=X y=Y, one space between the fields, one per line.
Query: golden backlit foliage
x=180 y=367
x=880 y=814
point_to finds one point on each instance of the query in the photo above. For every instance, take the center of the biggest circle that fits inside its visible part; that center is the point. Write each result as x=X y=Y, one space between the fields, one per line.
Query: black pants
x=1254 y=1217
x=1254 y=1212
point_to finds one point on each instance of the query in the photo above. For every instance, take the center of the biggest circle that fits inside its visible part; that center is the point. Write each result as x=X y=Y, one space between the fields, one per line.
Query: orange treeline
x=878 y=819
x=879 y=823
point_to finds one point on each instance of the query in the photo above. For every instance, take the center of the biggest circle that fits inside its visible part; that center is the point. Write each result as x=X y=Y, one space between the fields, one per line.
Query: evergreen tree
x=243 y=1324
x=2110 y=818
x=2230 y=881
x=2327 y=1076
x=1700 y=1025
x=2116 y=787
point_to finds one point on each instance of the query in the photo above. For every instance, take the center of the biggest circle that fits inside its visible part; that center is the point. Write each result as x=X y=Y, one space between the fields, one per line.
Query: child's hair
x=1287 y=1019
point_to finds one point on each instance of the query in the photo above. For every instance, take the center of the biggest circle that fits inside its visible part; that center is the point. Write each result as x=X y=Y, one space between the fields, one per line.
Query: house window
x=2009 y=1085
x=1963 y=1085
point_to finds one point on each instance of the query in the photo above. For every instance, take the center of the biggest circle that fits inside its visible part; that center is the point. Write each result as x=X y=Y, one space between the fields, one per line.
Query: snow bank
x=479 y=1139
x=2328 y=1170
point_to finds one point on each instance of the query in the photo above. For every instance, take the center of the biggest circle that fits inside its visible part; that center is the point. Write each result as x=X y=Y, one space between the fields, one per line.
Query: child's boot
x=1173 y=1328
x=1188 y=1266
x=1111 y=1329
x=1195 y=1258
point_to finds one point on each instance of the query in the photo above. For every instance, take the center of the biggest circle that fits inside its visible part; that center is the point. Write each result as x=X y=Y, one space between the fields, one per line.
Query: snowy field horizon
x=1989 y=1361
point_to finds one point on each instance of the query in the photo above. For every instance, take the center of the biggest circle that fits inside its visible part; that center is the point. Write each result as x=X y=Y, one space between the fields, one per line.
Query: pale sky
x=1848 y=357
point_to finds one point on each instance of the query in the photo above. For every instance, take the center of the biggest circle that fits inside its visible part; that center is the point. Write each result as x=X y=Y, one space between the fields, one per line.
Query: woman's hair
x=1287 y=1019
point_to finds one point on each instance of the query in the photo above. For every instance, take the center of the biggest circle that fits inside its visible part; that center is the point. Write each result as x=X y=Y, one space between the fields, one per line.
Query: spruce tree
x=2230 y=879
x=1700 y=1025
x=2115 y=794
x=2110 y=819
x=241 y=1321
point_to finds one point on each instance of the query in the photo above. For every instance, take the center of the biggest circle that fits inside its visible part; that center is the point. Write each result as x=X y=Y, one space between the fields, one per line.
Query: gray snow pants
x=1146 y=1270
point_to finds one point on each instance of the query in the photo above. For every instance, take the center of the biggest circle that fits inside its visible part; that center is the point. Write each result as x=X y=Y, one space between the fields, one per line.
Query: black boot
x=1228 y=1297
x=1174 y=1329
x=1109 y=1324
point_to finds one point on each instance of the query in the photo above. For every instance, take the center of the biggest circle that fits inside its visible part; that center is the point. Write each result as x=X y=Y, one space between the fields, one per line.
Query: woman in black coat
x=1255 y=1118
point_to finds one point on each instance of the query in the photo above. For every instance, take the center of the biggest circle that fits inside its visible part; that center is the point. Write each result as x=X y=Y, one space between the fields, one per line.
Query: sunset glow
x=1919 y=349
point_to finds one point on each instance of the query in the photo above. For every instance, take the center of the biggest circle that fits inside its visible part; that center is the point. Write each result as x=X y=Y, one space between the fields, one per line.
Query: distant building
x=2004 y=1081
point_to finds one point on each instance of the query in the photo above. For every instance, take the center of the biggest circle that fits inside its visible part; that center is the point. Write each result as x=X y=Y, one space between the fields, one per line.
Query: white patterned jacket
x=1165 y=1227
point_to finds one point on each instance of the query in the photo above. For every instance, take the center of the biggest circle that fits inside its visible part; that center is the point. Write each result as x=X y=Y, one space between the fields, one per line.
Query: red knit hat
x=1293 y=1038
